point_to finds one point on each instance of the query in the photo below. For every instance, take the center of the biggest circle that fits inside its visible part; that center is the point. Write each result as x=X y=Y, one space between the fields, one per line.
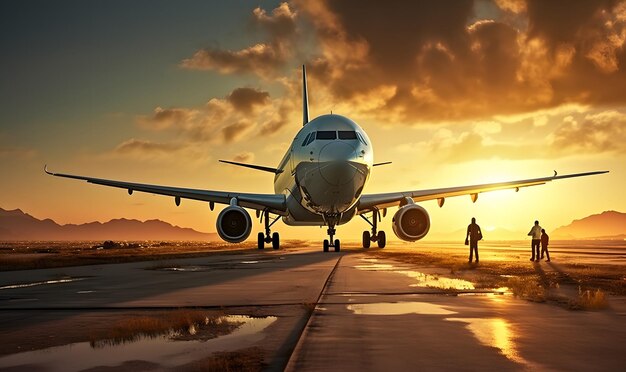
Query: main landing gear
x=268 y=237
x=379 y=237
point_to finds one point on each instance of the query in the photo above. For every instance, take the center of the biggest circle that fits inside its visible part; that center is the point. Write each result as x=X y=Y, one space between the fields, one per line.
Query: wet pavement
x=367 y=314
x=163 y=351
x=382 y=315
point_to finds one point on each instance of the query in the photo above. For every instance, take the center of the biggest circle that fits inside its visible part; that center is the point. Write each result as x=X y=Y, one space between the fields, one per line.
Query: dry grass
x=41 y=255
x=245 y=360
x=527 y=288
x=590 y=300
x=528 y=281
x=178 y=325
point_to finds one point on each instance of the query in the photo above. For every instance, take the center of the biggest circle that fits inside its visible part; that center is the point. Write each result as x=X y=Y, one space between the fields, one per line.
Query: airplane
x=321 y=182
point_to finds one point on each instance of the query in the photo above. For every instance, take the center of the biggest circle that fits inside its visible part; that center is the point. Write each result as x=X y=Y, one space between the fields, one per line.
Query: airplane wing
x=370 y=202
x=274 y=203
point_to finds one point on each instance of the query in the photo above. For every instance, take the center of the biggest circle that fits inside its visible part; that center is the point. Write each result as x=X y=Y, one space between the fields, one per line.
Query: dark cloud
x=245 y=99
x=220 y=120
x=235 y=131
x=446 y=61
x=263 y=58
x=565 y=21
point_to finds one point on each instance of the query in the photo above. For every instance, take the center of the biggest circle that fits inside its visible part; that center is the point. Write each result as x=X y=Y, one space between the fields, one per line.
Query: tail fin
x=305 y=98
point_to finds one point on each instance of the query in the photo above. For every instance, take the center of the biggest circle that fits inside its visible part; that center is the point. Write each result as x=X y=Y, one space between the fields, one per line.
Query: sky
x=452 y=92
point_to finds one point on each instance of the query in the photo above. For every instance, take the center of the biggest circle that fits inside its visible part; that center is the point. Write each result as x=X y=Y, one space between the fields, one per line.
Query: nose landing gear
x=379 y=237
x=329 y=242
x=268 y=237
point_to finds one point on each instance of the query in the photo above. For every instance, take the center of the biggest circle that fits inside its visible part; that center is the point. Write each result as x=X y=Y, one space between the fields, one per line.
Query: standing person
x=473 y=235
x=544 y=244
x=535 y=232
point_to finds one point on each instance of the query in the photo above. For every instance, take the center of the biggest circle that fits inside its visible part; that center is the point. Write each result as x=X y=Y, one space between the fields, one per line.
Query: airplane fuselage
x=324 y=171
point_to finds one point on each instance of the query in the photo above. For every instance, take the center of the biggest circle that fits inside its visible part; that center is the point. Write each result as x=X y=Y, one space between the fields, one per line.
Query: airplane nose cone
x=334 y=163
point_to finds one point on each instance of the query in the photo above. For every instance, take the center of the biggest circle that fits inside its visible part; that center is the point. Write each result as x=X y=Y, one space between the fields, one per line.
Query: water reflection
x=423 y=279
x=184 y=268
x=164 y=352
x=399 y=308
x=44 y=282
x=427 y=280
x=495 y=332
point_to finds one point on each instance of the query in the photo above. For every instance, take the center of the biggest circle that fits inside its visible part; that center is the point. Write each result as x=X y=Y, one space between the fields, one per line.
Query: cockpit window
x=361 y=138
x=311 y=138
x=326 y=135
x=304 y=143
x=347 y=135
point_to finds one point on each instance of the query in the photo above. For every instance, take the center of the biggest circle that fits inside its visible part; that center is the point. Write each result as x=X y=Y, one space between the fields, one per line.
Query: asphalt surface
x=368 y=314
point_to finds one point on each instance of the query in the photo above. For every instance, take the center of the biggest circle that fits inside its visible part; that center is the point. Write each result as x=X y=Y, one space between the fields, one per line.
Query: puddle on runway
x=399 y=308
x=495 y=332
x=184 y=268
x=423 y=279
x=163 y=351
x=44 y=282
x=223 y=265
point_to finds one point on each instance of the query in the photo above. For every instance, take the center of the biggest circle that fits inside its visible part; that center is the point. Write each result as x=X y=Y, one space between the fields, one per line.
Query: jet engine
x=234 y=224
x=411 y=222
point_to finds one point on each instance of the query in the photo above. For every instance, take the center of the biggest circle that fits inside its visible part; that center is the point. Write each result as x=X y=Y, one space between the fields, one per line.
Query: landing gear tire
x=337 y=245
x=261 y=240
x=367 y=239
x=275 y=240
x=382 y=239
x=326 y=245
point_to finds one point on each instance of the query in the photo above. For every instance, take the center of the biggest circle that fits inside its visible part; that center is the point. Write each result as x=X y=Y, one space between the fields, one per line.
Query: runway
x=341 y=311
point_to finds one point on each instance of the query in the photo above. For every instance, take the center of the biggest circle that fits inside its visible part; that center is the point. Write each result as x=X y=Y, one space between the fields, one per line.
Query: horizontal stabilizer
x=383 y=163
x=257 y=167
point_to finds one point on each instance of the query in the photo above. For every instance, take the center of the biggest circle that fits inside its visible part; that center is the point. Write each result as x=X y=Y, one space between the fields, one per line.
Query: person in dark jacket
x=544 y=244
x=474 y=234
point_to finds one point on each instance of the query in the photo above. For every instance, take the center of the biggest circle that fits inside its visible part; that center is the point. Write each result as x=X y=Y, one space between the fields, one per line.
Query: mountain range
x=606 y=225
x=17 y=225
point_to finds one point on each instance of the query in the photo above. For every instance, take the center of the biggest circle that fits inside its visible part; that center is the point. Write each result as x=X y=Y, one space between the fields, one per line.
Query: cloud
x=598 y=133
x=446 y=61
x=146 y=147
x=244 y=157
x=514 y=6
x=245 y=99
x=223 y=120
x=236 y=130
x=146 y=150
x=9 y=152
x=562 y=135
x=263 y=58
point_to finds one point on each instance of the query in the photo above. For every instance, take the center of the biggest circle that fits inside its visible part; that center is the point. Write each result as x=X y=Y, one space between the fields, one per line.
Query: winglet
x=305 y=98
x=45 y=169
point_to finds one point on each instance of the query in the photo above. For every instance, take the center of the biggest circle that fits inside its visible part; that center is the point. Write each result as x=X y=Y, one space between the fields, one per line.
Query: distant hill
x=17 y=225
x=606 y=225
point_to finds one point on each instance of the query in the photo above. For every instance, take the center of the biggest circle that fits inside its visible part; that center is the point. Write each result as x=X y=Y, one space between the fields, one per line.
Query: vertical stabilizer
x=305 y=98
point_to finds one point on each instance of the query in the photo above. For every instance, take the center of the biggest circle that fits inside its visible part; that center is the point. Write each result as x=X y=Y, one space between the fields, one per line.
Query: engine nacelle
x=411 y=222
x=234 y=224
